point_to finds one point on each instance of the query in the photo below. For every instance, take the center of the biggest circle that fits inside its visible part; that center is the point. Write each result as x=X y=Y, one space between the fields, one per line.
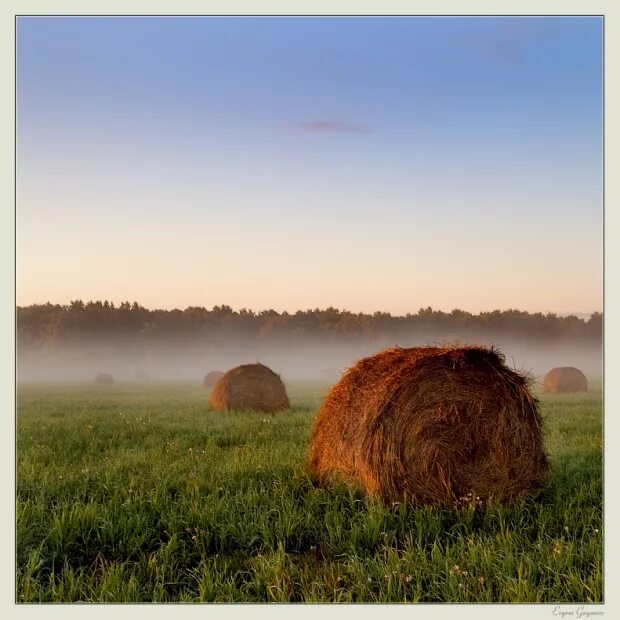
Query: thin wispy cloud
x=333 y=127
x=508 y=40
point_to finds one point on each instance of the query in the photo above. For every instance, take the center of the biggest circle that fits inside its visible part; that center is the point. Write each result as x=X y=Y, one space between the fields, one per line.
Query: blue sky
x=364 y=163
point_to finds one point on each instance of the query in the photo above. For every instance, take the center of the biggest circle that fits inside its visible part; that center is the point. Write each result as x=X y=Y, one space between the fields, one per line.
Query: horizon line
x=116 y=304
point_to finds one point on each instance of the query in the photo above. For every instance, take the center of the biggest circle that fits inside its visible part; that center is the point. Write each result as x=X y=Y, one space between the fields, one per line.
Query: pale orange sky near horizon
x=453 y=163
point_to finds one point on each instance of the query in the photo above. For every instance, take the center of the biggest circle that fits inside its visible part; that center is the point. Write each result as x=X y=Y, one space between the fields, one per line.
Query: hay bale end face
x=250 y=386
x=432 y=425
x=211 y=378
x=104 y=379
x=565 y=380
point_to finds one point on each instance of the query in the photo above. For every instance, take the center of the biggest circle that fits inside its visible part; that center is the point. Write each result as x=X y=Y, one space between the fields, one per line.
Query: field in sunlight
x=141 y=493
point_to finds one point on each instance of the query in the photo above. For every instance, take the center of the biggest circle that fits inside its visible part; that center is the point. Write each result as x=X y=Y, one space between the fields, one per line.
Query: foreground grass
x=142 y=494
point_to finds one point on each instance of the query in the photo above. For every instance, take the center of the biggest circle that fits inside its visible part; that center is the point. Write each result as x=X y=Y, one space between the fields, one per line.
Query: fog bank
x=321 y=362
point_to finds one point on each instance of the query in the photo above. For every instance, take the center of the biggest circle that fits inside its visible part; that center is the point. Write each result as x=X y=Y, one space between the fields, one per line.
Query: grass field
x=140 y=493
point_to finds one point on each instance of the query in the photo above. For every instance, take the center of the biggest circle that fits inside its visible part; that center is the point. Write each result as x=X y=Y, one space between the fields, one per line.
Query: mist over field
x=318 y=355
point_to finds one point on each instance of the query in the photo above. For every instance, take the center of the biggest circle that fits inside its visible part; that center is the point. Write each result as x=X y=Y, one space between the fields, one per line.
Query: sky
x=290 y=163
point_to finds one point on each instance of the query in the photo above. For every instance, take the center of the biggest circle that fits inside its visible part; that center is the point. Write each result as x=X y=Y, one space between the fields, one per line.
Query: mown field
x=141 y=493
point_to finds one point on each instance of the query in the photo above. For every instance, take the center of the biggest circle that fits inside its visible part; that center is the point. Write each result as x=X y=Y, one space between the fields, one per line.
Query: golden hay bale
x=211 y=378
x=250 y=386
x=565 y=379
x=104 y=379
x=431 y=425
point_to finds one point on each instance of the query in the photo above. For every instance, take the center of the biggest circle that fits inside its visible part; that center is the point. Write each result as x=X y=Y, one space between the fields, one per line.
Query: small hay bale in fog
x=104 y=379
x=211 y=378
x=250 y=386
x=141 y=377
x=431 y=425
x=331 y=374
x=565 y=380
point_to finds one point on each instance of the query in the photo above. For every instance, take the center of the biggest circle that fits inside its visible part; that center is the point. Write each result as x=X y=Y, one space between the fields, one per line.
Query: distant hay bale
x=104 y=379
x=564 y=380
x=250 y=386
x=331 y=374
x=211 y=378
x=141 y=377
x=433 y=425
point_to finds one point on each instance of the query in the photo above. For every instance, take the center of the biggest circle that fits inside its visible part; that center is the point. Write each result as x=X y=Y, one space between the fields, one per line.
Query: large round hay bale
x=211 y=378
x=250 y=386
x=104 y=379
x=451 y=426
x=565 y=379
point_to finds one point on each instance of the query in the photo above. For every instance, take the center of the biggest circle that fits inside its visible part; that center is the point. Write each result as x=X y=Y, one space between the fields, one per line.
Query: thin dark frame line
x=305 y=15
x=330 y=15
x=405 y=15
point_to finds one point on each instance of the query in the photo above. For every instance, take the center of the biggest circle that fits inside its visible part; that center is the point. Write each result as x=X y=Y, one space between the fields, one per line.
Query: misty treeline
x=79 y=340
x=53 y=326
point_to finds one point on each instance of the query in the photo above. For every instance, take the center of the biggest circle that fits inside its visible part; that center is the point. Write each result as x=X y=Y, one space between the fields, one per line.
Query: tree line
x=55 y=325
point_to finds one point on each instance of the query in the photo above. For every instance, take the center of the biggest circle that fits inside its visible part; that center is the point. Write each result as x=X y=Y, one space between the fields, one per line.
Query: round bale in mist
x=564 y=380
x=104 y=379
x=250 y=386
x=211 y=378
x=431 y=425
x=141 y=377
x=331 y=374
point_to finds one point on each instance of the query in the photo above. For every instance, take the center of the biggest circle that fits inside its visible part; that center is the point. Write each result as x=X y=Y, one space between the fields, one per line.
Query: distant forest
x=54 y=327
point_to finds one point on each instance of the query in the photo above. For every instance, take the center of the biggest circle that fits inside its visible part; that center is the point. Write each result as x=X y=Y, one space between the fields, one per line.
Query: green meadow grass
x=141 y=493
